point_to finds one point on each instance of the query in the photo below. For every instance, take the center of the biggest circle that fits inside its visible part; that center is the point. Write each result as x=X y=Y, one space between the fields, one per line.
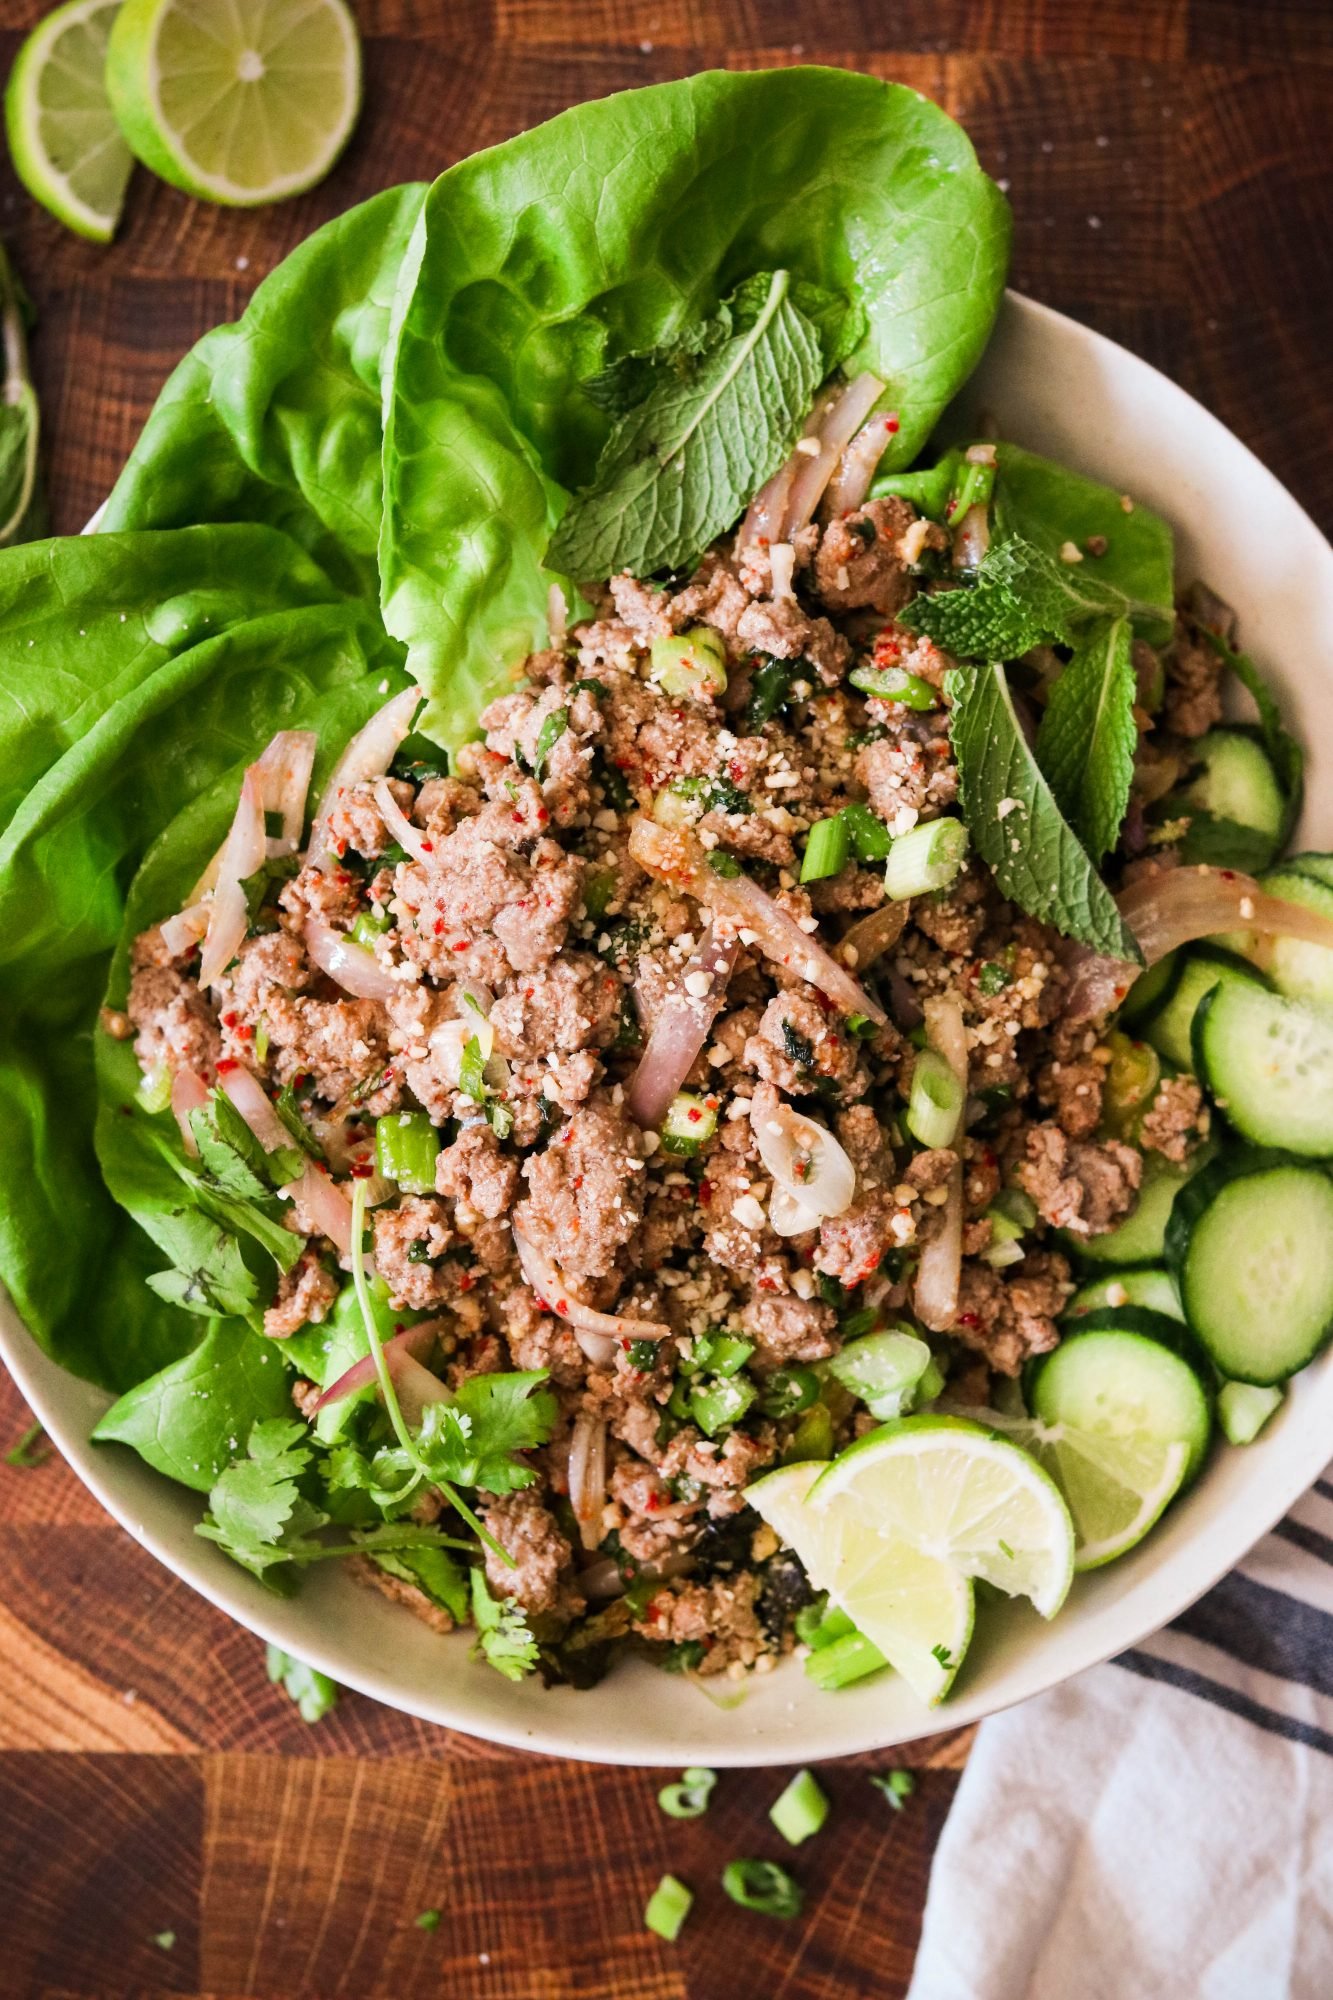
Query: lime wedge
x=236 y=101
x=918 y=1610
x=66 y=146
x=1116 y=1488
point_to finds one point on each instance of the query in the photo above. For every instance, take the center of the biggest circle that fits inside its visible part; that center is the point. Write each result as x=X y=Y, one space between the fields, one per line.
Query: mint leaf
x=503 y=1634
x=1015 y=823
x=1088 y=735
x=472 y=1440
x=683 y=464
x=1021 y=598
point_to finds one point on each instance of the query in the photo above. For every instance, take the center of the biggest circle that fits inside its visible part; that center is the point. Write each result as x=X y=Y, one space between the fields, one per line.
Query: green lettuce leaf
x=1015 y=823
x=188 y=1420
x=1088 y=735
x=606 y=233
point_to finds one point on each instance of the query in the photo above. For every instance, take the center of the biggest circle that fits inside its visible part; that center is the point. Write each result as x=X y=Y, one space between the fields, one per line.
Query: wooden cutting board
x=1171 y=169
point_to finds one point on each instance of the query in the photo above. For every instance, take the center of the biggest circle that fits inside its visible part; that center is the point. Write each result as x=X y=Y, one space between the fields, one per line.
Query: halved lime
x=66 y=146
x=917 y=1609
x=236 y=101
x=1116 y=1488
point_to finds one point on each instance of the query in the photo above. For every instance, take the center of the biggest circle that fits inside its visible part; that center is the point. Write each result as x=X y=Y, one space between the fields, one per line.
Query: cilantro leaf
x=255 y=1504
x=314 y=1693
x=1088 y=735
x=1015 y=823
x=503 y=1633
x=434 y=1571
x=289 y=1111
x=472 y=1440
x=682 y=465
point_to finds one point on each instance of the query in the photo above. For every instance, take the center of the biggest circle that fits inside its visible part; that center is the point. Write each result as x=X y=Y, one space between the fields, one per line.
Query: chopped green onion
x=800 y=1810
x=834 y=1624
x=883 y=1370
x=975 y=486
x=166 y=1940
x=810 y=1617
x=869 y=836
x=472 y=1070
x=895 y=684
x=718 y=1352
x=927 y=858
x=935 y=1106
x=428 y=1920
x=29 y=1451
x=724 y=864
x=548 y=736
x=812 y=1438
x=826 y=850
x=668 y=1907
x=678 y=1402
x=406 y=1149
x=862 y=1025
x=689 y=1124
x=1016 y=1206
x=788 y=1391
x=930 y=1386
x=722 y=1402
x=770 y=691
x=846 y=1660
x=598 y=893
x=1132 y=1077
x=695 y=662
x=688 y=1799
x=642 y=1355
x=763 y=1886
x=369 y=925
x=897 y=1786
x=154 y=1093
x=261 y=1041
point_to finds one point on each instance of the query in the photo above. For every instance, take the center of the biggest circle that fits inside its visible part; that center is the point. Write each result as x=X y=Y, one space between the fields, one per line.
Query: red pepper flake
x=651 y=1503
x=466 y=1281
x=461 y=945
x=542 y=815
x=968 y=1319
x=438 y=927
x=428 y=847
x=362 y=1170
x=705 y=1193
x=577 y=1182
x=227 y=1063
x=693 y=1115
x=891 y=423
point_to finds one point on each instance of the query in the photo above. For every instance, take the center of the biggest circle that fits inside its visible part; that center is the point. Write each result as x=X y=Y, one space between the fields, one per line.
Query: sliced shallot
x=348 y=964
x=839 y=425
x=856 y=468
x=247 y=1094
x=325 y=1204
x=188 y=1093
x=675 y=856
x=870 y=937
x=284 y=769
x=182 y=932
x=411 y=1341
x=681 y=1028
x=803 y=1156
x=368 y=755
x=587 y=1476
x=607 y=1330
x=411 y=838
x=244 y=852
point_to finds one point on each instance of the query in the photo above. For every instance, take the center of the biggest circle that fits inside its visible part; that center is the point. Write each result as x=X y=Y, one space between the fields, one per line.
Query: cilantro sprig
x=504 y=1636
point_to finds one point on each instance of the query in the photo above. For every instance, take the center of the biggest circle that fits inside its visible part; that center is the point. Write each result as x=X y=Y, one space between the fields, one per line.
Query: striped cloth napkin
x=1160 y=1828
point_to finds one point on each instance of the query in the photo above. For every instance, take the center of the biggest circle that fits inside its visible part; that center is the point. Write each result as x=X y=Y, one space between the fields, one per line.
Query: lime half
x=917 y=1609
x=1116 y=1488
x=66 y=146
x=236 y=101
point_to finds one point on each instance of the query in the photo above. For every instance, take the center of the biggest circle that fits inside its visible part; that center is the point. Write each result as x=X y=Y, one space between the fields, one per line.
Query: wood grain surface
x=1171 y=170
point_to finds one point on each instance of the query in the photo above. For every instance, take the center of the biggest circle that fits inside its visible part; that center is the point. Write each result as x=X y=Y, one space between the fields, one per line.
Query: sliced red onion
x=188 y=1093
x=802 y=1155
x=1097 y=985
x=677 y=857
x=417 y=1389
x=182 y=932
x=349 y=964
x=788 y=1216
x=325 y=1204
x=870 y=937
x=681 y=1029
x=781 y=569
x=856 y=468
x=971 y=538
x=411 y=838
x=368 y=755
x=940 y=1268
x=362 y=1372
x=246 y=850
x=607 y=1330
x=602 y=1580
x=767 y=511
x=247 y=1094
x=285 y=769
x=1173 y=908
x=587 y=1476
x=557 y=616
x=836 y=430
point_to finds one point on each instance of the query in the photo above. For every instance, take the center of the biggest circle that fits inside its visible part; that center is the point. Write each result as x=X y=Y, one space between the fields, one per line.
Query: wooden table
x=1170 y=167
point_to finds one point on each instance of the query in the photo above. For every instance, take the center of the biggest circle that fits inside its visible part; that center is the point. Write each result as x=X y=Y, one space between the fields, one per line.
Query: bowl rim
x=572 y=1729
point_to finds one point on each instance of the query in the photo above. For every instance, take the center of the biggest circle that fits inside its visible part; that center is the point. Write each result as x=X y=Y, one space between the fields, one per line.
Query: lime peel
x=63 y=137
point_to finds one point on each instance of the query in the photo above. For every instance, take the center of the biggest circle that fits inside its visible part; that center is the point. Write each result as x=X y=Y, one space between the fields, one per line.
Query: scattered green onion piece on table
x=935 y=1106
x=689 y=1124
x=870 y=838
x=789 y=1391
x=689 y=1798
x=29 y=1450
x=694 y=662
x=846 y=1660
x=427 y=1920
x=826 y=850
x=668 y=1907
x=895 y=684
x=165 y=1940
x=722 y=1402
x=927 y=858
x=763 y=1886
x=406 y=1149
x=800 y=1810
x=897 y=1786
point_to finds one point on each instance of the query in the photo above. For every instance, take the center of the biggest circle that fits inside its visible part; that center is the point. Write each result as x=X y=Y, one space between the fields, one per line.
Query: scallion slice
x=764 y=1886
x=927 y=858
x=935 y=1106
x=800 y=1810
x=668 y=1907
x=826 y=850
x=688 y=1799
x=406 y=1149
x=895 y=684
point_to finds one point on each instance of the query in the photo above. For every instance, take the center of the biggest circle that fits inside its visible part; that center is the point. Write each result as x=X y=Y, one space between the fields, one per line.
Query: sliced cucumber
x=1252 y=1243
x=1268 y=1062
x=1319 y=867
x=1150 y=990
x=1238 y=790
x=1141 y=1237
x=1150 y=1287
x=1127 y=1373
x=1205 y=967
x=1243 y=1410
x=1302 y=971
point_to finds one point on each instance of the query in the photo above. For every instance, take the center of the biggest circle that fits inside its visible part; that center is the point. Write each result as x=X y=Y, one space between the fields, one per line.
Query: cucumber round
x=1150 y=990
x=1141 y=1237
x=1319 y=867
x=1168 y=1031
x=1238 y=789
x=1243 y=1410
x=1300 y=970
x=1252 y=1243
x=1268 y=1063
x=1149 y=1286
x=1127 y=1373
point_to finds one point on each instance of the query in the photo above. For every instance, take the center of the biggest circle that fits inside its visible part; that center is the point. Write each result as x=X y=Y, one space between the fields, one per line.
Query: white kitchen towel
x=1160 y=1828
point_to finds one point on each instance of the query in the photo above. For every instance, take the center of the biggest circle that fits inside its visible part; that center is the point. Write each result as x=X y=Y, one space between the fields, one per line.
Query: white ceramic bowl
x=1067 y=392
